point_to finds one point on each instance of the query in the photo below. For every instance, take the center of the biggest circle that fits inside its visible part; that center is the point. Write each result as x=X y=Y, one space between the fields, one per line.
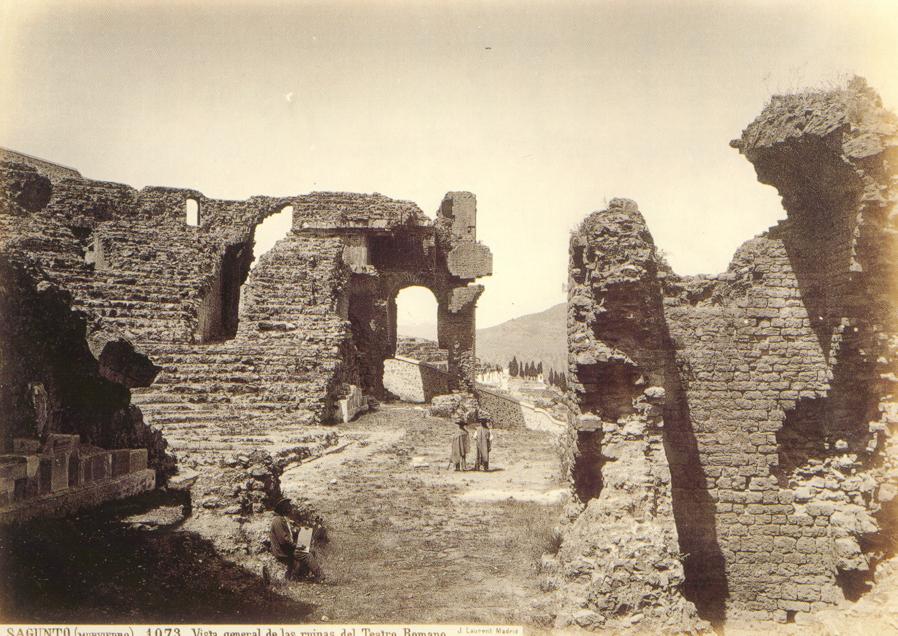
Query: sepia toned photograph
x=407 y=318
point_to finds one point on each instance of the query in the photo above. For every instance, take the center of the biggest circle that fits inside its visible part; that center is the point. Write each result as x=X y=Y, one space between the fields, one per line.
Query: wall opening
x=413 y=320
x=218 y=313
x=416 y=313
x=218 y=316
x=613 y=385
x=397 y=250
x=270 y=231
x=192 y=212
x=587 y=470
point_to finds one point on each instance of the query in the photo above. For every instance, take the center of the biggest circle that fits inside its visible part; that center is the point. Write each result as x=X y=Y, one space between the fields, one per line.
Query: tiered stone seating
x=264 y=387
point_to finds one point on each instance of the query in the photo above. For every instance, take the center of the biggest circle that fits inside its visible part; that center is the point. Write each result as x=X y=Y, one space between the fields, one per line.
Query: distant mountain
x=540 y=337
x=533 y=337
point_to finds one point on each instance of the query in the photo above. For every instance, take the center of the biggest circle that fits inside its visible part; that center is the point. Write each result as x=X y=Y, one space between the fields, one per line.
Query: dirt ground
x=410 y=541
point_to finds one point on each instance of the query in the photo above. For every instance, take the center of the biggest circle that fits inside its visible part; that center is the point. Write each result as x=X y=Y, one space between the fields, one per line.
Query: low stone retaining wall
x=508 y=412
x=412 y=381
x=62 y=476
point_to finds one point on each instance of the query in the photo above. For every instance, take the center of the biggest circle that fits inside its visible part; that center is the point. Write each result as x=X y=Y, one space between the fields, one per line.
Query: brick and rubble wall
x=779 y=374
x=169 y=299
x=619 y=562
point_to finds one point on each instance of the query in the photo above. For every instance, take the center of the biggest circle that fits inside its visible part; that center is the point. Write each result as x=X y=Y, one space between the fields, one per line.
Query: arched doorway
x=416 y=313
x=417 y=369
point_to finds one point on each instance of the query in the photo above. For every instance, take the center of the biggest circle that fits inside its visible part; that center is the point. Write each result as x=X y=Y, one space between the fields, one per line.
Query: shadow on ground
x=96 y=568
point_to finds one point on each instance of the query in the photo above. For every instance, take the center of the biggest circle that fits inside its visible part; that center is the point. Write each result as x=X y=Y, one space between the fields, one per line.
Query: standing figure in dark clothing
x=459 y=451
x=483 y=439
x=300 y=561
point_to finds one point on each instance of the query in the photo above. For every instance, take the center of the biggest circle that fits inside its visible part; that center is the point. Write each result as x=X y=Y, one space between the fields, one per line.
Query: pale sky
x=545 y=110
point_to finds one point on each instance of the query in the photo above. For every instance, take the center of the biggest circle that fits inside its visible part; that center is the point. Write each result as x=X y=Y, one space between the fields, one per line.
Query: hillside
x=533 y=337
x=538 y=337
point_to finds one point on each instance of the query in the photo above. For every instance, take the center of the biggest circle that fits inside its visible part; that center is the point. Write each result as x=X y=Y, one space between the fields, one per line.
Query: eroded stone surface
x=761 y=401
x=165 y=309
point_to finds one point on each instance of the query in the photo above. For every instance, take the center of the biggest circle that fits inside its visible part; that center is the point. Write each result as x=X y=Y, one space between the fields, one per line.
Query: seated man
x=298 y=558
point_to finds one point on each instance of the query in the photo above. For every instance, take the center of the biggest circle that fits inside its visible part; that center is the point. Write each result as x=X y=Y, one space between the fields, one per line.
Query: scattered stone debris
x=457 y=406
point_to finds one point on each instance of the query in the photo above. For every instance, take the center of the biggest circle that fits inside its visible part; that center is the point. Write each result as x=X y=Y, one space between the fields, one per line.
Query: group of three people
x=483 y=441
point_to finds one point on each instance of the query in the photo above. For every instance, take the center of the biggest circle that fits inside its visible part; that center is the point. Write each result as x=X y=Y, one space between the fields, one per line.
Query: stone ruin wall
x=748 y=420
x=118 y=310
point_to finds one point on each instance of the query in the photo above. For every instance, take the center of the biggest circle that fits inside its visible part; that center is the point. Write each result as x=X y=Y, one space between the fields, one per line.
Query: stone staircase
x=262 y=389
x=148 y=303
x=267 y=386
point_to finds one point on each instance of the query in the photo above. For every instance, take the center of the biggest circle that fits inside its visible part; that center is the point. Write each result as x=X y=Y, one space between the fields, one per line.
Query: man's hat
x=281 y=502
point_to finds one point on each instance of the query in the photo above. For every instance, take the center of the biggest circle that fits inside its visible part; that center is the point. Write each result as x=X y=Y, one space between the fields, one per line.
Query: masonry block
x=7 y=491
x=464 y=298
x=121 y=461
x=26 y=446
x=101 y=466
x=470 y=260
x=138 y=459
x=13 y=466
x=54 y=473
x=58 y=442
x=460 y=209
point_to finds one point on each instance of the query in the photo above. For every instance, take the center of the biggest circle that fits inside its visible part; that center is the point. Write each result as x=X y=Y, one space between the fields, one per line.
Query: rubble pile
x=457 y=406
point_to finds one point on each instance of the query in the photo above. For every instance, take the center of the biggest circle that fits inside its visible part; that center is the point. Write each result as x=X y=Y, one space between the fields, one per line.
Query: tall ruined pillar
x=456 y=329
x=465 y=260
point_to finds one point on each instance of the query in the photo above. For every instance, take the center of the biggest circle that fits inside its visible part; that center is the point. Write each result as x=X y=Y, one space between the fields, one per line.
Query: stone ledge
x=74 y=499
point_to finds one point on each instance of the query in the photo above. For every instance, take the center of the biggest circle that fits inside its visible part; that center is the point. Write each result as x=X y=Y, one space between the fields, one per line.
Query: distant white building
x=497 y=379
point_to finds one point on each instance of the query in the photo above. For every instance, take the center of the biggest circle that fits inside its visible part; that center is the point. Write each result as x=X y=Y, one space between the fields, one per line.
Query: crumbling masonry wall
x=775 y=380
x=217 y=354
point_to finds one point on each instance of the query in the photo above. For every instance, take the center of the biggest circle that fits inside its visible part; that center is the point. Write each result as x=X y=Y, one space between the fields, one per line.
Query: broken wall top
x=778 y=374
x=348 y=210
x=852 y=120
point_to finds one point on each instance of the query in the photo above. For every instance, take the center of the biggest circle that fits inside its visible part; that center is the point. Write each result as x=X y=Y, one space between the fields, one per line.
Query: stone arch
x=394 y=304
x=416 y=369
